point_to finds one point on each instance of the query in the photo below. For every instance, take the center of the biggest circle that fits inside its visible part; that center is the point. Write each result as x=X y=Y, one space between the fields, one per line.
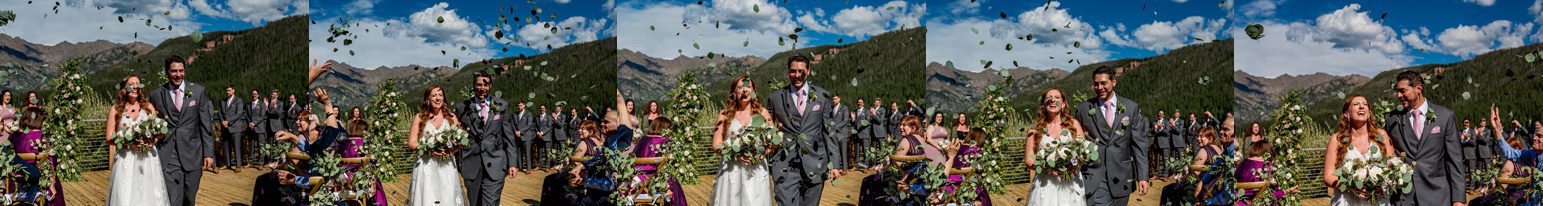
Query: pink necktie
x=1419 y=124
x=484 y=112
x=176 y=97
x=800 y=101
x=1109 y=114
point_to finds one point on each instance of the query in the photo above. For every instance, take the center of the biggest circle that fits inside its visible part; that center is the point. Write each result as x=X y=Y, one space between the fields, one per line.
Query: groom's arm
x=1139 y=138
x=206 y=118
x=1456 y=177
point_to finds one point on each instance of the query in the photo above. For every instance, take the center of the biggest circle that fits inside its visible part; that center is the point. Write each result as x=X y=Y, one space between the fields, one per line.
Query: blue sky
x=92 y=20
x=737 y=28
x=406 y=32
x=1105 y=30
x=1351 y=37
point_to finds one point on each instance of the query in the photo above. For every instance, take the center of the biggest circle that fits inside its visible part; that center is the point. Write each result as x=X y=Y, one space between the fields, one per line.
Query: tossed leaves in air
x=854 y=81
x=987 y=64
x=1466 y=96
x=120 y=19
x=651 y=28
x=1077 y=44
x=780 y=42
x=441 y=19
x=498 y=34
x=799 y=29
x=1009 y=47
x=756 y=7
x=455 y=63
x=347 y=42
x=949 y=64
x=747 y=43
x=199 y=36
x=982 y=43
x=1531 y=57
x=794 y=37
x=1255 y=31
x=350 y=52
x=1384 y=16
x=710 y=55
x=1003 y=14
x=695 y=45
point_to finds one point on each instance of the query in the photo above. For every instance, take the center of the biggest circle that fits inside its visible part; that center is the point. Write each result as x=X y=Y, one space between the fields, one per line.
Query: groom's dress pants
x=182 y=186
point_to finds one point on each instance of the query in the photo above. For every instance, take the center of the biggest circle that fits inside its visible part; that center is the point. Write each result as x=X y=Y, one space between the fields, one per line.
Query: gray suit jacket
x=881 y=124
x=489 y=155
x=544 y=126
x=805 y=133
x=191 y=137
x=560 y=127
x=1121 y=146
x=234 y=112
x=864 y=124
x=1160 y=134
x=257 y=115
x=1436 y=156
x=840 y=125
x=522 y=122
x=276 y=116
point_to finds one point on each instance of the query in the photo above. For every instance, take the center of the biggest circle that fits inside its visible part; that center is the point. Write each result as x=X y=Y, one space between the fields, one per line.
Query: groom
x=799 y=168
x=188 y=113
x=487 y=161
x=1423 y=135
x=1116 y=125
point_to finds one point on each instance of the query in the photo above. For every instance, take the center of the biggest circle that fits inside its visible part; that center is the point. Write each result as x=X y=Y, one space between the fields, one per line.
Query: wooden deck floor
x=230 y=188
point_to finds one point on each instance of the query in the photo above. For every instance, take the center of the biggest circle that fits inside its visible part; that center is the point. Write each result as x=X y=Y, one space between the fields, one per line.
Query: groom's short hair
x=798 y=58
x=1104 y=70
x=481 y=75
x=174 y=59
x=1412 y=76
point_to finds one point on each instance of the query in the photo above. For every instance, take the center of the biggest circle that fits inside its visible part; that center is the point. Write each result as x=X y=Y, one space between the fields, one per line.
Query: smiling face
x=437 y=98
x=5 y=99
x=1357 y=110
x=744 y=92
x=1053 y=102
x=256 y=96
x=482 y=85
x=1103 y=85
x=230 y=92
x=134 y=89
x=175 y=72
x=798 y=73
x=1408 y=93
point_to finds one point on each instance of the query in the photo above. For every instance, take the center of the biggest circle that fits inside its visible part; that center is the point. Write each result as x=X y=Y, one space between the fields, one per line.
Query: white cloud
x=1261 y=8
x=1052 y=26
x=1471 y=40
x=750 y=15
x=573 y=30
x=1180 y=1
x=1114 y=36
x=953 y=41
x=454 y=30
x=562 y=1
x=1419 y=39
x=360 y=7
x=963 y=7
x=1350 y=28
x=663 y=42
x=863 y=21
x=1481 y=2
x=1163 y=35
x=389 y=43
x=251 y=11
x=84 y=21
x=1307 y=53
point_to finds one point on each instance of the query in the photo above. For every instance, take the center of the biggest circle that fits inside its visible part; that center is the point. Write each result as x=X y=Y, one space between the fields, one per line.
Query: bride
x=435 y=180
x=136 y=172
x=1357 y=138
x=741 y=182
x=1055 y=122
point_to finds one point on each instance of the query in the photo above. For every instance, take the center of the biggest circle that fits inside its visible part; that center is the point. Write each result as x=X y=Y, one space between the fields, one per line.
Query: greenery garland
x=383 y=113
x=65 y=106
x=1285 y=137
x=991 y=115
x=688 y=105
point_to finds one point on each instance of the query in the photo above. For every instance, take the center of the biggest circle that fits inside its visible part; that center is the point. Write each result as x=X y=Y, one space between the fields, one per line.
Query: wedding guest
x=32 y=123
x=959 y=157
x=651 y=146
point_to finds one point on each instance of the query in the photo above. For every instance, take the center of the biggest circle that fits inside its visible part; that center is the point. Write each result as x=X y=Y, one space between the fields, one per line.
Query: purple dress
x=645 y=148
x=25 y=144
x=1245 y=173
x=350 y=148
x=955 y=180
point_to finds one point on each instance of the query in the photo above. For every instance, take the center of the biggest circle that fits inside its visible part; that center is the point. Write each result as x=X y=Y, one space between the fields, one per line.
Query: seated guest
x=648 y=147
x=27 y=141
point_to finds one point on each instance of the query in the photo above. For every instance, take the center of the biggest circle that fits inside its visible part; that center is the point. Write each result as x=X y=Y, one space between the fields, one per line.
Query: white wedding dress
x=741 y=184
x=137 y=178
x=1349 y=199
x=436 y=181
x=1049 y=190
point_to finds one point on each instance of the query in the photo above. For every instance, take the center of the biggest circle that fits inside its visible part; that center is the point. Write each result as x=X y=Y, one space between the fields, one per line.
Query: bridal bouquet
x=442 y=140
x=753 y=142
x=1371 y=176
x=1065 y=154
x=138 y=132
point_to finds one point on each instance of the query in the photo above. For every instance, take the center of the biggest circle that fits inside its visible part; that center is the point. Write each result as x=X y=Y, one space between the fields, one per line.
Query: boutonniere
x=1430 y=116
x=1093 y=111
x=1120 y=108
x=186 y=94
x=1125 y=121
